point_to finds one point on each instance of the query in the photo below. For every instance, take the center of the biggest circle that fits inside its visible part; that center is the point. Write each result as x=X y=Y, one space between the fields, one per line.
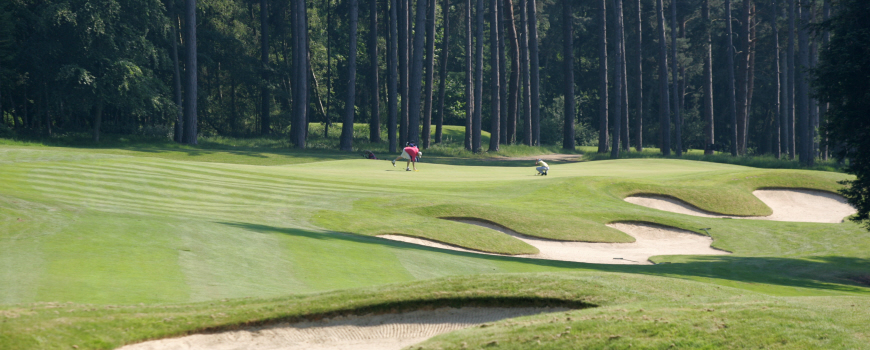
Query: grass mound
x=102 y=247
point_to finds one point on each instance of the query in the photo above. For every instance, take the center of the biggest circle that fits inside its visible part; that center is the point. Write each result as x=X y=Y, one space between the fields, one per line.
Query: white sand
x=651 y=240
x=787 y=205
x=369 y=332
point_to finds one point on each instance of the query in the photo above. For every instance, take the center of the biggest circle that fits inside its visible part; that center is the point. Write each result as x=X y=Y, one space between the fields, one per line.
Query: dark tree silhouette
x=777 y=135
x=391 y=85
x=619 y=79
x=568 y=128
x=416 y=73
x=802 y=92
x=375 y=119
x=430 y=67
x=732 y=101
x=603 y=103
x=403 y=69
x=524 y=72
x=495 y=119
x=445 y=50
x=639 y=79
x=708 y=81
x=346 y=142
x=678 y=121
x=470 y=92
x=502 y=74
x=190 y=69
x=534 y=73
x=478 y=80
x=664 y=99
x=301 y=71
x=790 y=89
x=513 y=83
x=176 y=76
x=265 y=108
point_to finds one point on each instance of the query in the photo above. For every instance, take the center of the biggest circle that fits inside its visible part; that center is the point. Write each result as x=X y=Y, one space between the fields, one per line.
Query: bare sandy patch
x=367 y=332
x=787 y=205
x=650 y=240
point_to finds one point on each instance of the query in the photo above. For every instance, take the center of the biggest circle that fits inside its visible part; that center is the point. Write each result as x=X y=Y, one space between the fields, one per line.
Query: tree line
x=727 y=75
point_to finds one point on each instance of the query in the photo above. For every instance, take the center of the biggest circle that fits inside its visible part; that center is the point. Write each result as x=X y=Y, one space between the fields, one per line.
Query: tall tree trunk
x=495 y=118
x=430 y=71
x=708 y=81
x=328 y=120
x=624 y=138
x=301 y=68
x=393 y=57
x=814 y=109
x=750 y=80
x=445 y=42
x=732 y=98
x=346 y=142
x=502 y=75
x=823 y=108
x=742 y=78
x=535 y=73
x=777 y=130
x=265 y=109
x=191 y=68
x=619 y=79
x=375 y=120
x=176 y=77
x=639 y=78
x=603 y=103
x=664 y=99
x=524 y=72
x=783 y=108
x=470 y=91
x=568 y=128
x=416 y=73
x=513 y=84
x=802 y=92
x=403 y=70
x=790 y=89
x=478 y=80
x=678 y=132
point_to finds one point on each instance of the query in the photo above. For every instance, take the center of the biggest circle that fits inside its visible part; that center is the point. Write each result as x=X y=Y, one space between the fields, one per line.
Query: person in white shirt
x=542 y=167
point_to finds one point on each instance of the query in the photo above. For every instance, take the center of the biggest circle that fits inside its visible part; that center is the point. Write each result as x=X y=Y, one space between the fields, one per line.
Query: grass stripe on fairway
x=120 y=229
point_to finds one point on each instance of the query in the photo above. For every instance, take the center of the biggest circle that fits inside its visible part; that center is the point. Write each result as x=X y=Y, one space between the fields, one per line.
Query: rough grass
x=609 y=310
x=101 y=247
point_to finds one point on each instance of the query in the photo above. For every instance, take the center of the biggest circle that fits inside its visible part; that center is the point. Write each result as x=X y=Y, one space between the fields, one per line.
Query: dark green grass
x=606 y=310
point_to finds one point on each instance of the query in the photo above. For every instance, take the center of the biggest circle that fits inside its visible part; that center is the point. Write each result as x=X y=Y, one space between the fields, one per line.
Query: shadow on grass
x=832 y=273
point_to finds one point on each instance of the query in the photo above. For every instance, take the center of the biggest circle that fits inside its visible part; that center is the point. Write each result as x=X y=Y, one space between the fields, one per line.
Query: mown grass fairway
x=103 y=247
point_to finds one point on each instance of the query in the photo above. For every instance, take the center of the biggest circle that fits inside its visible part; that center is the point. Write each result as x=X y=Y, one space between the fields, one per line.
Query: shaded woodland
x=723 y=75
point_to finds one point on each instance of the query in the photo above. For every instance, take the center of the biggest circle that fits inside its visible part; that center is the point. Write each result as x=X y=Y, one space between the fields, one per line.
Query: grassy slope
x=620 y=309
x=102 y=228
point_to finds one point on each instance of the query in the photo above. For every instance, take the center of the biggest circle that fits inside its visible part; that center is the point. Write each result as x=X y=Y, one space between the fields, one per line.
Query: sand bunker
x=787 y=205
x=370 y=332
x=651 y=240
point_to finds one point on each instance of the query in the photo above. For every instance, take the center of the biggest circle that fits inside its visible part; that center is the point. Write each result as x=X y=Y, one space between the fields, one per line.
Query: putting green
x=110 y=229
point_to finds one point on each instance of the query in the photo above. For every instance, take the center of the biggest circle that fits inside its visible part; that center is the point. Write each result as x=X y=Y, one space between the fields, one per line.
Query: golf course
x=105 y=247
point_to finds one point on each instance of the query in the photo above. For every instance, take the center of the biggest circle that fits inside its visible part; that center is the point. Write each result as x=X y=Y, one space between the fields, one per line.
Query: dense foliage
x=843 y=80
x=62 y=59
